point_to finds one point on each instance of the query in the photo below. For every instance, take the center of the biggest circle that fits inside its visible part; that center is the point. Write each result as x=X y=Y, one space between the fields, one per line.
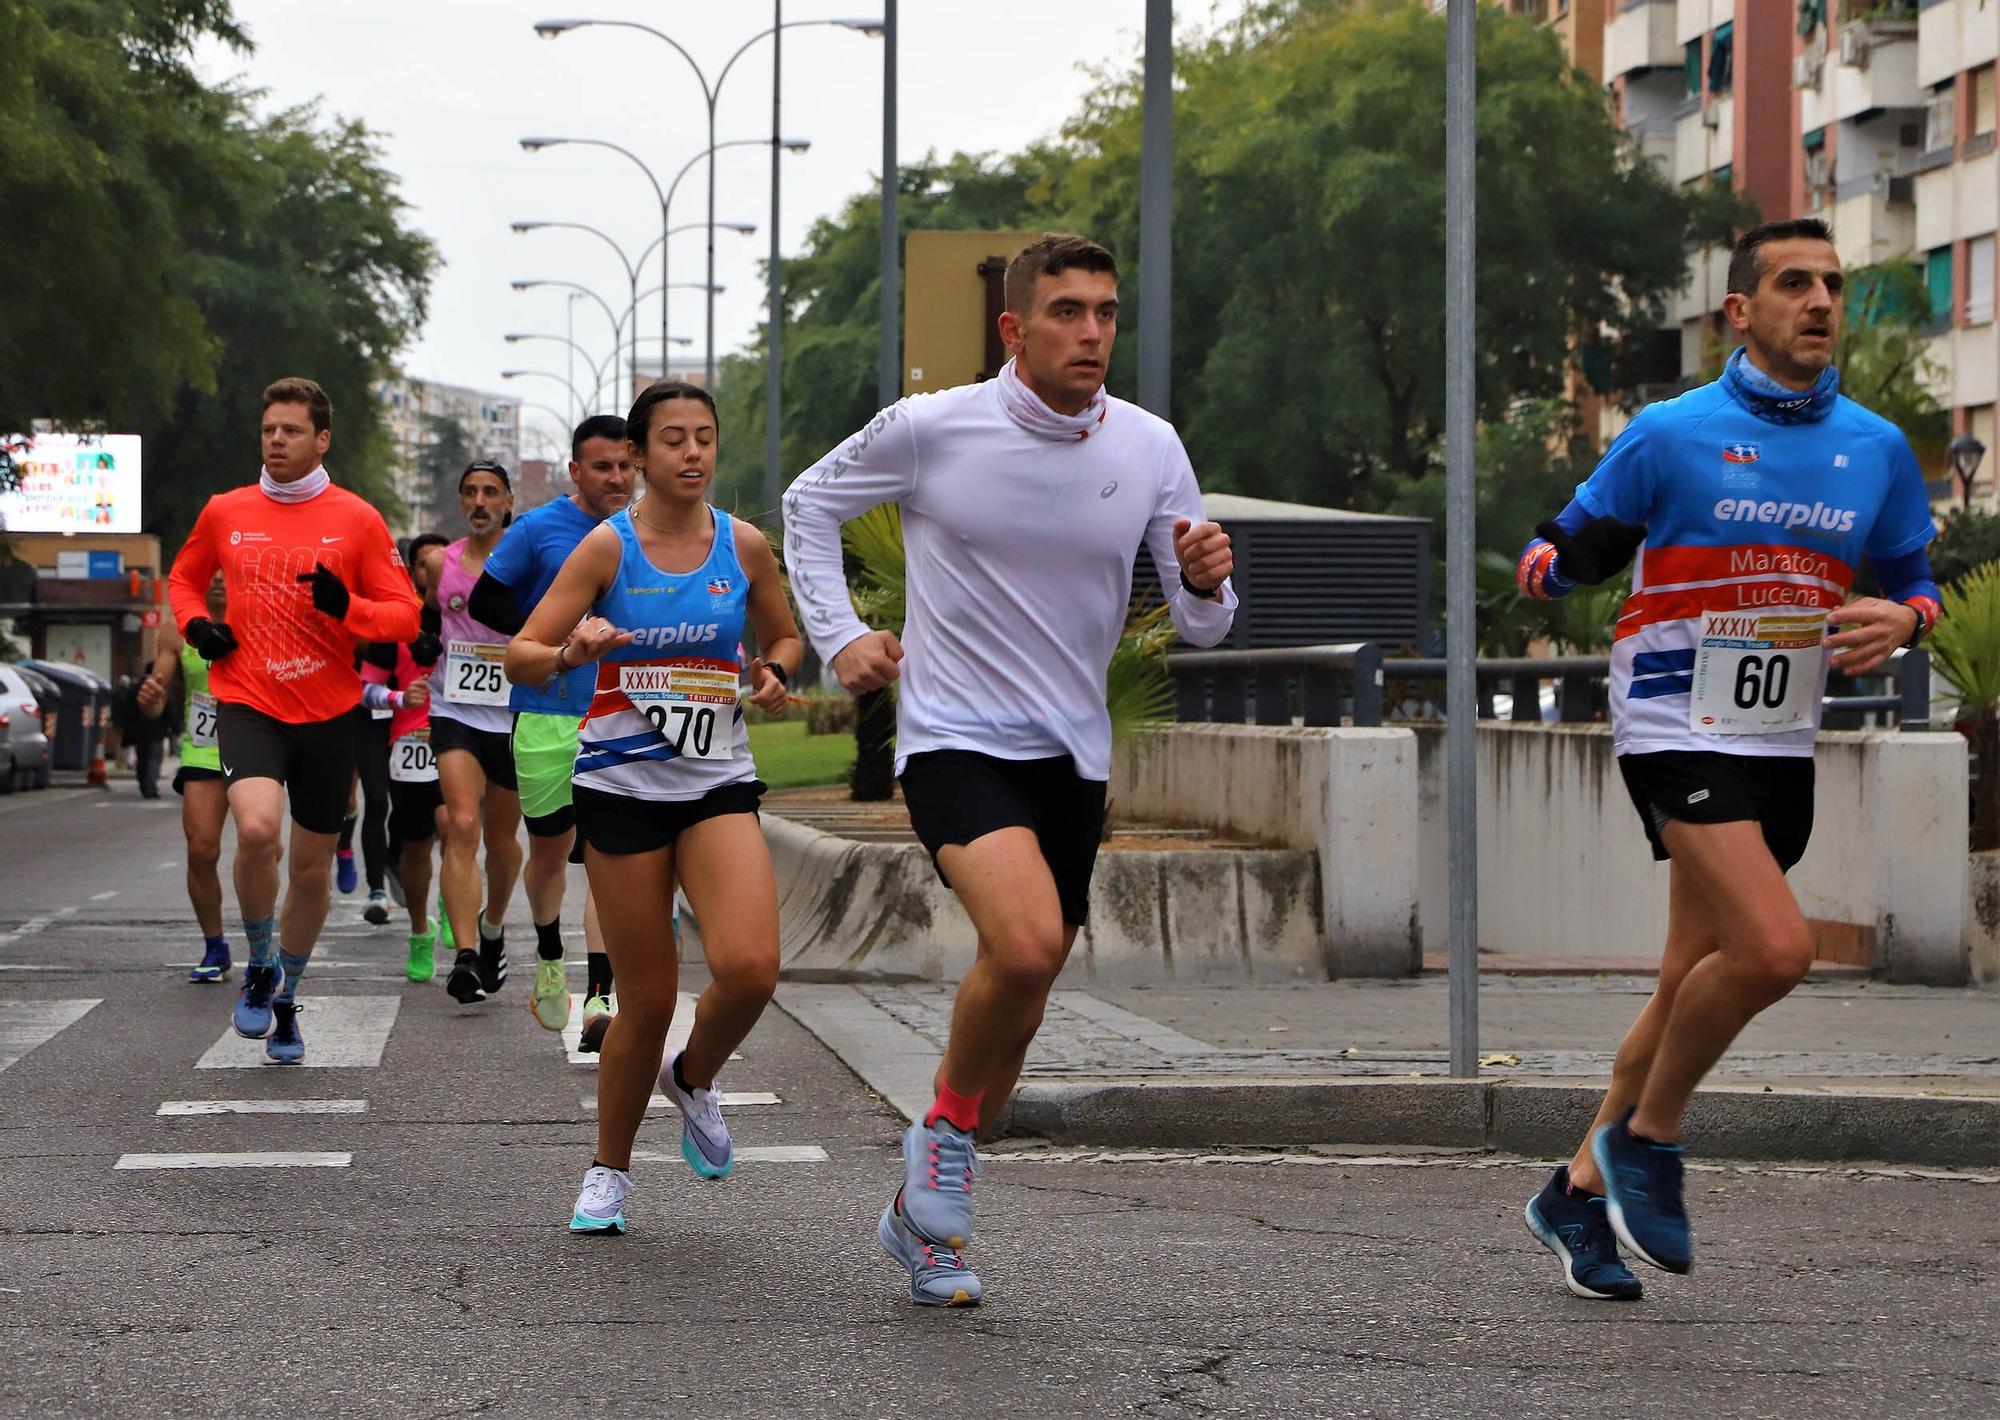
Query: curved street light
x=545 y=375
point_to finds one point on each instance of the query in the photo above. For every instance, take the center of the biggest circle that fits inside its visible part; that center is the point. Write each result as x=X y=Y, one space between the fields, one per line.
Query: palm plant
x=1965 y=648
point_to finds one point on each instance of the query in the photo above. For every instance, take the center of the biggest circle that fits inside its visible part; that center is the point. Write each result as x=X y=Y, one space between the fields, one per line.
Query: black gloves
x=329 y=593
x=426 y=649
x=1596 y=552
x=212 y=640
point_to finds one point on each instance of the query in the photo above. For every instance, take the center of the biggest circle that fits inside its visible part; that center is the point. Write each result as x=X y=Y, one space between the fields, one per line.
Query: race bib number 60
x=693 y=708
x=475 y=674
x=1757 y=672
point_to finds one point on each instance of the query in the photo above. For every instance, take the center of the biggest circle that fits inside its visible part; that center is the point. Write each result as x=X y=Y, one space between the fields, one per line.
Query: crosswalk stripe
x=236 y=1161
x=341 y=1032
x=745 y=1154
x=187 y=1107
x=27 y=1024
x=729 y=1100
x=34 y=925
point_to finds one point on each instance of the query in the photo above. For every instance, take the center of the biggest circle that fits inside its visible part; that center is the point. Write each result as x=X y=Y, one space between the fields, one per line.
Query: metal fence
x=1356 y=684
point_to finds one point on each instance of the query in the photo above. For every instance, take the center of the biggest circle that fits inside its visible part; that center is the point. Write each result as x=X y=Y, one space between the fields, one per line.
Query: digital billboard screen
x=69 y=482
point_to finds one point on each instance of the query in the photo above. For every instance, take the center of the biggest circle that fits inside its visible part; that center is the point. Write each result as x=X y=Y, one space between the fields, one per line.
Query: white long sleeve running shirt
x=1020 y=551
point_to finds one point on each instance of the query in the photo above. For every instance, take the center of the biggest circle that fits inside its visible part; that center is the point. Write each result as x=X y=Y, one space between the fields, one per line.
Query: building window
x=1722 y=58
x=1979 y=280
x=1937 y=276
x=1691 y=68
x=1983 y=116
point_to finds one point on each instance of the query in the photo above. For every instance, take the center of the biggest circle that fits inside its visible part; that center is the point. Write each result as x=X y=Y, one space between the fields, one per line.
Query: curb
x=1539 y=1120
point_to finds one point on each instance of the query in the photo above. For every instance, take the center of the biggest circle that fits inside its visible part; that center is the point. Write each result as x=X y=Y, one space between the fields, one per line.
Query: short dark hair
x=1746 y=268
x=658 y=393
x=499 y=471
x=598 y=426
x=294 y=390
x=422 y=541
x=1051 y=255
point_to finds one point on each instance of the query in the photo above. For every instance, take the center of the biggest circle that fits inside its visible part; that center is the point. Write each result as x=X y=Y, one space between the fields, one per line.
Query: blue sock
x=257 y=931
x=217 y=943
x=295 y=967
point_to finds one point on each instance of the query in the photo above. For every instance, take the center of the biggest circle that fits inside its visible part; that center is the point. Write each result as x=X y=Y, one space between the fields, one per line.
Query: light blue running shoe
x=600 y=1207
x=939 y=1164
x=938 y=1274
x=285 y=1046
x=704 y=1137
x=252 y=1016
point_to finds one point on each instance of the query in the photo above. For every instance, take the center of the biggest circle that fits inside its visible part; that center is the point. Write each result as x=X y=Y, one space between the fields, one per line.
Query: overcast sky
x=452 y=85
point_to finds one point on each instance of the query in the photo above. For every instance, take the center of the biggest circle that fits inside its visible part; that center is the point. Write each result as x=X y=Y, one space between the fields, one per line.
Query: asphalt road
x=432 y=1275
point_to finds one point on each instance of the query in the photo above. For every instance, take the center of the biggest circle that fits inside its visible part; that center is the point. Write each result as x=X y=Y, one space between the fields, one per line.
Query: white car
x=29 y=756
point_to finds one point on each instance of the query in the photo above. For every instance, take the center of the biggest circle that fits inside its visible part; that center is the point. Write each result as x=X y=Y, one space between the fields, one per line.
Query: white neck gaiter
x=301 y=490
x=1026 y=409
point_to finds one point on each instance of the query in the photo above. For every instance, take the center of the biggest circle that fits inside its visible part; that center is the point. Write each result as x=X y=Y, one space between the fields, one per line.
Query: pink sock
x=960 y=1111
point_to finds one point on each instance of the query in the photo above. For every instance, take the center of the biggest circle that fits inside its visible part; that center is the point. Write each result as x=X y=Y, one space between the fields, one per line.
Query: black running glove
x=1596 y=552
x=426 y=649
x=212 y=640
x=329 y=593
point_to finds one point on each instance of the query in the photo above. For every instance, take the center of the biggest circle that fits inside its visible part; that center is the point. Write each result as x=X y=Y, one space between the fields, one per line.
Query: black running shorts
x=314 y=761
x=413 y=810
x=956 y=796
x=619 y=824
x=192 y=774
x=1703 y=786
x=493 y=749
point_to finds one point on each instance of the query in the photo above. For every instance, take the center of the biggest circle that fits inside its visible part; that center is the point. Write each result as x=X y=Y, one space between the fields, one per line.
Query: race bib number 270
x=1757 y=672
x=692 y=707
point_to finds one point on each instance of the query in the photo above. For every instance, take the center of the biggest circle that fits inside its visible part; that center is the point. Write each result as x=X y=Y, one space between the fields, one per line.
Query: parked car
x=30 y=754
x=47 y=692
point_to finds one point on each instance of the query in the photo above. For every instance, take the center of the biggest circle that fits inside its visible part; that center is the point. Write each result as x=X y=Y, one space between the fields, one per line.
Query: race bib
x=385 y=713
x=1757 y=672
x=201 y=720
x=474 y=673
x=411 y=760
x=692 y=707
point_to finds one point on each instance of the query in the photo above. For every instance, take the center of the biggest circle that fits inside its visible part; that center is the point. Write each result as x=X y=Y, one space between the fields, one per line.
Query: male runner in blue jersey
x=1749 y=501
x=546 y=717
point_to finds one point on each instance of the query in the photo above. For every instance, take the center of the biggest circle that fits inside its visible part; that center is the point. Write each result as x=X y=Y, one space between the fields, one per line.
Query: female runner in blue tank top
x=666 y=792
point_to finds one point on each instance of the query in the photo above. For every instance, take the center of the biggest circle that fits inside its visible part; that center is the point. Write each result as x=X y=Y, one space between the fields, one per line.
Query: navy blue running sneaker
x=1576 y=1228
x=214 y=964
x=252 y=1017
x=1642 y=1187
x=285 y=1046
x=345 y=878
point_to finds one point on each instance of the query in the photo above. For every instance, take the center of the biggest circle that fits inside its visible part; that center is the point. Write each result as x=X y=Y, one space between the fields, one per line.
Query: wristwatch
x=1206 y=593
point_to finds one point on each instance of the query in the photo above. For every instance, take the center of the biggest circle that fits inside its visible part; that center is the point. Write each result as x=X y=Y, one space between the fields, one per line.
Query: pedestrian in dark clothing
x=147 y=734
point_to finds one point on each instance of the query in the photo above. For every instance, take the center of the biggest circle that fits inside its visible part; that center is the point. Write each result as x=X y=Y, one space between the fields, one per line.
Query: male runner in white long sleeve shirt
x=1024 y=501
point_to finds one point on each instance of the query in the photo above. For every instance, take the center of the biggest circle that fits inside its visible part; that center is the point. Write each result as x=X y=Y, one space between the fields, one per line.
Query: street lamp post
x=595 y=367
x=789 y=145
x=631 y=267
x=545 y=375
x=1965 y=453
x=889 y=360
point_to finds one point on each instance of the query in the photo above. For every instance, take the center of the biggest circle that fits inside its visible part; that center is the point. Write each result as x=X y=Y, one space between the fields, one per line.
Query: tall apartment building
x=410 y=407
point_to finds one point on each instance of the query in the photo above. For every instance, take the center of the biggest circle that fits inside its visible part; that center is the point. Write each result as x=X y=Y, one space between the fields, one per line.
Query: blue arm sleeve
x=1907 y=577
x=1904 y=524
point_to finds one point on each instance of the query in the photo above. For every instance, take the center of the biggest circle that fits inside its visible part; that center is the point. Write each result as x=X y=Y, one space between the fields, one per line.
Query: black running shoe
x=492 y=962
x=463 y=983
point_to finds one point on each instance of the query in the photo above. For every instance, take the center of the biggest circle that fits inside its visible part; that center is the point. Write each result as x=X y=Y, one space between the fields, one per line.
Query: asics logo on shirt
x=685 y=633
x=1785 y=515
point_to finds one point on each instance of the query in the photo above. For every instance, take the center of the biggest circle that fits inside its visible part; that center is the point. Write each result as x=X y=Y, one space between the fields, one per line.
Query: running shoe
x=596 y=1021
x=252 y=1017
x=445 y=937
x=704 y=1137
x=214 y=964
x=492 y=962
x=600 y=1207
x=938 y=1274
x=392 y=874
x=938 y=1168
x=1642 y=1188
x=285 y=1045
x=376 y=913
x=1577 y=1228
x=345 y=876
x=420 y=967
x=463 y=983
x=549 y=1001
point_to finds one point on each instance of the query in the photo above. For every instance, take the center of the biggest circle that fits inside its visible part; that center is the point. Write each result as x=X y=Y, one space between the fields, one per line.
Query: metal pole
x=773 y=341
x=1461 y=686
x=708 y=359
x=665 y=343
x=1156 y=210
x=569 y=335
x=889 y=363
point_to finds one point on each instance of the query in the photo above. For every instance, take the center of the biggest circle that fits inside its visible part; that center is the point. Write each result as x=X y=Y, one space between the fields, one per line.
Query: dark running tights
x=372 y=759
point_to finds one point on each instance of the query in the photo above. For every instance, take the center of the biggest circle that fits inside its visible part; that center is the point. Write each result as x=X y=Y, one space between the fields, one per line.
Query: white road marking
x=747 y=1154
x=677 y=1033
x=341 y=1032
x=27 y=1024
x=34 y=925
x=187 y=1107
x=236 y=1161
x=170 y=863
x=729 y=1100
x=23 y=966
x=104 y=896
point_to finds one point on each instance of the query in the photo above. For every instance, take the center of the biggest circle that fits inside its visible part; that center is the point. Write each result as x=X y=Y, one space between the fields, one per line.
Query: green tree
x=447 y=450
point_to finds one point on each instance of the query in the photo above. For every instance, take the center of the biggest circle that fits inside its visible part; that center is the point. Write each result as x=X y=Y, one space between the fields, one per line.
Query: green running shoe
x=445 y=938
x=550 y=999
x=420 y=967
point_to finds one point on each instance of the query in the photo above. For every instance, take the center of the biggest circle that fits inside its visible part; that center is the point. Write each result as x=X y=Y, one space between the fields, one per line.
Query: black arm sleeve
x=493 y=603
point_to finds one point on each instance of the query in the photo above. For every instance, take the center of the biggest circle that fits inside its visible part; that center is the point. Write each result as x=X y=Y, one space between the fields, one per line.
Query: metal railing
x=1346 y=684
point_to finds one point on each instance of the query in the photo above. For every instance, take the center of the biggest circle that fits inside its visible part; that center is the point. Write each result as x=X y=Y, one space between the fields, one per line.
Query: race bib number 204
x=692 y=707
x=1757 y=672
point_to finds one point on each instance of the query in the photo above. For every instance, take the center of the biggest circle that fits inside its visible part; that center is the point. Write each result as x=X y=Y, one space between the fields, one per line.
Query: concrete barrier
x=1346 y=795
x=850 y=910
x=1982 y=918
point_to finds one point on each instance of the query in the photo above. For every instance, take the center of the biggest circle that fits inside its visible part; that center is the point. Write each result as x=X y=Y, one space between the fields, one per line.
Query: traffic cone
x=100 y=776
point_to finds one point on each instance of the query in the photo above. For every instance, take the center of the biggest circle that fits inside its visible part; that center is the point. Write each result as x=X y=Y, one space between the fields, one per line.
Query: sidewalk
x=1842 y=1069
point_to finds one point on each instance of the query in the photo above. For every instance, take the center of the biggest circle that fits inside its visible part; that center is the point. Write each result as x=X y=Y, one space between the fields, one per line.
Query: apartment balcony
x=1876 y=67
x=1955 y=35
x=1695 y=18
x=1702 y=138
x=1641 y=36
x=1874 y=218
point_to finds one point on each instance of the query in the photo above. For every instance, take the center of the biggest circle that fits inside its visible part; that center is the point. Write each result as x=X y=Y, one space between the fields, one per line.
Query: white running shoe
x=704 y=1137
